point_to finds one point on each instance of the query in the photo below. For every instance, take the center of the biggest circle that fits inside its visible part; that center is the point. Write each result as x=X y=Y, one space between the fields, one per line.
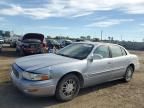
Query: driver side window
x=103 y=51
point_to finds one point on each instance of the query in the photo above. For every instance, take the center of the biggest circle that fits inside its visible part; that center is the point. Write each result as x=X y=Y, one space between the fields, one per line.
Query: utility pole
x=101 y=35
x=121 y=37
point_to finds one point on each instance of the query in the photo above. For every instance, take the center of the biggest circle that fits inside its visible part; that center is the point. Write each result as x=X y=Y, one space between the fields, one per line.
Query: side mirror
x=97 y=56
x=90 y=58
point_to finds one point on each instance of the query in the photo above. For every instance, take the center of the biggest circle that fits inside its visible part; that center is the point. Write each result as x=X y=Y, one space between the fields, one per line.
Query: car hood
x=34 y=62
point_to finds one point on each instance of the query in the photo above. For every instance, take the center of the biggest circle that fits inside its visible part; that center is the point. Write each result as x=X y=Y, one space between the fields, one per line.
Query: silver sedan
x=76 y=66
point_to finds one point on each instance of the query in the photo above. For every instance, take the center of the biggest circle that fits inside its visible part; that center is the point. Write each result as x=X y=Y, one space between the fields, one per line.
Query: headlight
x=35 y=76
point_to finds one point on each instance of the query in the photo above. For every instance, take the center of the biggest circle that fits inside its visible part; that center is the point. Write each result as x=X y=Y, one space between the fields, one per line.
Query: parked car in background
x=79 y=40
x=66 y=42
x=1 y=45
x=1 y=39
x=7 y=40
x=31 y=43
x=53 y=45
x=13 y=40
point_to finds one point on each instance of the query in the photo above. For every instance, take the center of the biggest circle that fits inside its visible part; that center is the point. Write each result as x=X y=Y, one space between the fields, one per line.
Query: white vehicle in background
x=66 y=42
x=1 y=47
x=1 y=43
x=1 y=39
x=7 y=40
x=13 y=40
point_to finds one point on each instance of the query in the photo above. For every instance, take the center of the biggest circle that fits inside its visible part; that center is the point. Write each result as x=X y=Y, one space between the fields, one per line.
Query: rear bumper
x=31 y=51
x=34 y=51
x=34 y=88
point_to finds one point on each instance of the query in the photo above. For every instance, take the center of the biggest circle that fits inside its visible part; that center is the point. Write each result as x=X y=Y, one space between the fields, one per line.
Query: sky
x=120 y=19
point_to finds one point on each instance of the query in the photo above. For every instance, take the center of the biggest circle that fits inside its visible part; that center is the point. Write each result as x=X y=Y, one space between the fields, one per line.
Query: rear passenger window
x=123 y=52
x=103 y=51
x=116 y=51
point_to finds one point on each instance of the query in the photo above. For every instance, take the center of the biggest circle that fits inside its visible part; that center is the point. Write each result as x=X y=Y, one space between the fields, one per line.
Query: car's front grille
x=16 y=73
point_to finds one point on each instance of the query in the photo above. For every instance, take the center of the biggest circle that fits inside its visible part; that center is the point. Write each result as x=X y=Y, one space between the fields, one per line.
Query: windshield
x=76 y=50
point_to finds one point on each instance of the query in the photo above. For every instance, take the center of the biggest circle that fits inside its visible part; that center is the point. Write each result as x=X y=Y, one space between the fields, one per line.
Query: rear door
x=119 y=61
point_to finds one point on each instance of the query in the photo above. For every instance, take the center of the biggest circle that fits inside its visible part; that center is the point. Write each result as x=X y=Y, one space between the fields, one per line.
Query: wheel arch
x=133 y=66
x=78 y=74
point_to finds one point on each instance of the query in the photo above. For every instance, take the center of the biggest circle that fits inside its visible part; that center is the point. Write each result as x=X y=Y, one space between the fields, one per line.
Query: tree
x=49 y=37
x=83 y=37
x=88 y=37
x=67 y=37
x=96 y=39
x=7 y=34
x=110 y=38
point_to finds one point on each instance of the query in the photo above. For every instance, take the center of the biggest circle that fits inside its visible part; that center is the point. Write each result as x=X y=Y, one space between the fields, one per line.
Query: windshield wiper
x=65 y=55
x=62 y=54
x=69 y=56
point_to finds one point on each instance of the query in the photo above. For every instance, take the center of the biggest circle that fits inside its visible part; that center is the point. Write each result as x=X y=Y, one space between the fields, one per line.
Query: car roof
x=97 y=43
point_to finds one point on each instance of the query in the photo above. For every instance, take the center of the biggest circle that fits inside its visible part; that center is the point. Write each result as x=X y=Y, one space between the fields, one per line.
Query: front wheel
x=128 y=74
x=68 y=88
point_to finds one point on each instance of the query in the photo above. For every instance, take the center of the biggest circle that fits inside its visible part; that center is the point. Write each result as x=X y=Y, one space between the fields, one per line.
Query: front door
x=99 y=69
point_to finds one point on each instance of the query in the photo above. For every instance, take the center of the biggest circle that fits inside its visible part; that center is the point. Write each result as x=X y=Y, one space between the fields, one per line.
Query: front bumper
x=35 y=88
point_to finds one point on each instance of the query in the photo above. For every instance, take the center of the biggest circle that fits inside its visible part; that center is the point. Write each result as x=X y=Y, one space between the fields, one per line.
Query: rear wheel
x=68 y=88
x=128 y=74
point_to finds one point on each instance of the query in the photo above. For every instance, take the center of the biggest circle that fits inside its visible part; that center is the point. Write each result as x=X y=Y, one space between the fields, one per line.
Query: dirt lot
x=116 y=94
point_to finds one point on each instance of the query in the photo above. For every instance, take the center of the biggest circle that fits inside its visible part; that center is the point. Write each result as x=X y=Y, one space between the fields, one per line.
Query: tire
x=68 y=88
x=128 y=74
